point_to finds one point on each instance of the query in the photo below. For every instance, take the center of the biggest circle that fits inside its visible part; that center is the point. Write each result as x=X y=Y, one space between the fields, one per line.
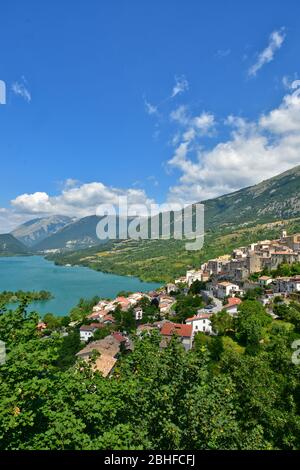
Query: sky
x=159 y=101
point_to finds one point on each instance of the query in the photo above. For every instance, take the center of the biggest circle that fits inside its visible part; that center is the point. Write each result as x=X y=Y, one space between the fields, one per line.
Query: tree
x=196 y=287
x=101 y=333
x=51 y=321
x=215 y=396
x=253 y=294
x=289 y=313
x=186 y=306
x=251 y=321
x=222 y=322
x=125 y=320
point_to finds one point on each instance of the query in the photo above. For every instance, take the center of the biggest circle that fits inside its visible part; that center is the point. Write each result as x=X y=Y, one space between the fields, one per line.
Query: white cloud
x=287 y=81
x=255 y=151
x=70 y=183
x=205 y=123
x=20 y=89
x=79 y=201
x=180 y=115
x=151 y=109
x=181 y=85
x=276 y=40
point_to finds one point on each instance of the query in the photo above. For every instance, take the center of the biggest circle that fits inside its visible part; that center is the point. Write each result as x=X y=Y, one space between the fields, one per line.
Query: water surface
x=67 y=284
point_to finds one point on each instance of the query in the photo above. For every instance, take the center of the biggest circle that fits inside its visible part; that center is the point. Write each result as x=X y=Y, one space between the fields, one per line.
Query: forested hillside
x=238 y=390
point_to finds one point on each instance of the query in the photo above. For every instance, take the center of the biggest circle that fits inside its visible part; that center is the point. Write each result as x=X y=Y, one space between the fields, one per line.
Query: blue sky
x=158 y=100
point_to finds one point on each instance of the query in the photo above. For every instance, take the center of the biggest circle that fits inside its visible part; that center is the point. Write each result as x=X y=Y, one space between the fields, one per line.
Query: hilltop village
x=267 y=271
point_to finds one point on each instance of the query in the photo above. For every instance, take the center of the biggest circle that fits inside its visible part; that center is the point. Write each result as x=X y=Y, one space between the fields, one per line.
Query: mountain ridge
x=10 y=246
x=275 y=198
x=34 y=231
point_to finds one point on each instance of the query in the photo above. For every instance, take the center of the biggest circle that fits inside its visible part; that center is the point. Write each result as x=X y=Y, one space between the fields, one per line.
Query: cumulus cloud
x=276 y=40
x=20 y=89
x=255 y=151
x=76 y=201
x=204 y=123
x=79 y=201
x=180 y=115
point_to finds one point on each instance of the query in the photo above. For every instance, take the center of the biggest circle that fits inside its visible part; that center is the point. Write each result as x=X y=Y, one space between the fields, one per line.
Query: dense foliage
x=18 y=296
x=221 y=395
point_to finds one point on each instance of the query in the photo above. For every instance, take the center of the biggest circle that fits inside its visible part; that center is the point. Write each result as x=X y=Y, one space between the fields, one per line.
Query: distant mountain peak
x=34 y=231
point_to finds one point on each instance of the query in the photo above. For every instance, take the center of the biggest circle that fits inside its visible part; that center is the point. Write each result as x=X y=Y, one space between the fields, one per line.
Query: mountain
x=75 y=236
x=273 y=199
x=9 y=246
x=34 y=231
x=256 y=213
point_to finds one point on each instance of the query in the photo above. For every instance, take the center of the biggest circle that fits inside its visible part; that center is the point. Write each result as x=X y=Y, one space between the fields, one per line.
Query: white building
x=86 y=332
x=171 y=288
x=200 y=324
x=295 y=282
x=138 y=312
x=265 y=281
x=192 y=276
x=226 y=289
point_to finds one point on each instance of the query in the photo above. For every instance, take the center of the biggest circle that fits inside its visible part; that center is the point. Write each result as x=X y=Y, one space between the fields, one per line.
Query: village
x=220 y=285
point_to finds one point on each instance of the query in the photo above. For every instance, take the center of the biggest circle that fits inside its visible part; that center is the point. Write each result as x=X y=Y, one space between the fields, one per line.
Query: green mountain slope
x=258 y=212
x=273 y=199
x=9 y=246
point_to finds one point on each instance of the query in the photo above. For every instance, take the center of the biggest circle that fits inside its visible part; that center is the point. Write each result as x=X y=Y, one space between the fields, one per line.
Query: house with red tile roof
x=123 y=302
x=232 y=306
x=108 y=319
x=184 y=332
x=97 y=315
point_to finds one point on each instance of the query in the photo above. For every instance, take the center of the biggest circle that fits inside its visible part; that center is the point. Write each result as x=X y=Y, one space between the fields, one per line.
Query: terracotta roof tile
x=179 y=329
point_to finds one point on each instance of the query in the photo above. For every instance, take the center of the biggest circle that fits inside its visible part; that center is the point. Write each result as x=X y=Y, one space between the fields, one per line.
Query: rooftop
x=232 y=301
x=202 y=316
x=179 y=329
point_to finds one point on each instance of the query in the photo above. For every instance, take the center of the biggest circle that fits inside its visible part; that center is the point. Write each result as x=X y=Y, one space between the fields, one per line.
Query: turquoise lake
x=67 y=284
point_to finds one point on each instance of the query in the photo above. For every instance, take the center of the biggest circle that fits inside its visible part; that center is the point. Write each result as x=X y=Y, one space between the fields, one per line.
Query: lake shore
x=67 y=284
